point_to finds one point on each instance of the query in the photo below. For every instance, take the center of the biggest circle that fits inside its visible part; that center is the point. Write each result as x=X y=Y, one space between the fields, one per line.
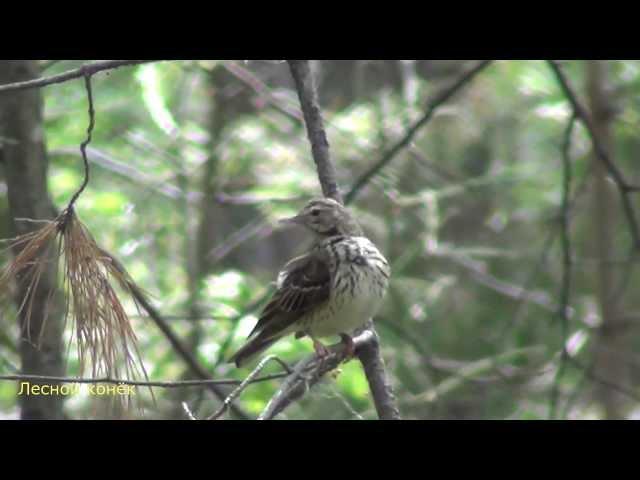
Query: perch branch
x=565 y=292
x=307 y=373
x=369 y=351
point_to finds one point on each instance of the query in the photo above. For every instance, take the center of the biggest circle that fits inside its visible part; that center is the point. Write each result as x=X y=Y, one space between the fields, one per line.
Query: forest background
x=503 y=194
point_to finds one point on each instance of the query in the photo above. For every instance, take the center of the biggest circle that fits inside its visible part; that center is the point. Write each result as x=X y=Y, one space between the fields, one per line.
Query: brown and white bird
x=331 y=290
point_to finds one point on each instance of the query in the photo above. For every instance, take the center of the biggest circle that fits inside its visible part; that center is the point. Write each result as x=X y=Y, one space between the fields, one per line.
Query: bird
x=332 y=289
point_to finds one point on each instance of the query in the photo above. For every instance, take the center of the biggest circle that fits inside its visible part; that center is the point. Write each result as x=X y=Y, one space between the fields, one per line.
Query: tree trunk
x=610 y=343
x=25 y=163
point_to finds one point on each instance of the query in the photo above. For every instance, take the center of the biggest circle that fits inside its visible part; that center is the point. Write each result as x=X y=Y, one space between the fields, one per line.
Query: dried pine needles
x=101 y=326
x=102 y=329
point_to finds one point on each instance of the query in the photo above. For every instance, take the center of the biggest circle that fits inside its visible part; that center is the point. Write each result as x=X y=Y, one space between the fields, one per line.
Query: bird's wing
x=304 y=284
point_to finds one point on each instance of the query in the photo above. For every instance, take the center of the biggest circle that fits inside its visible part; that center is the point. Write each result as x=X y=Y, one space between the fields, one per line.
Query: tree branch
x=87 y=141
x=624 y=188
x=305 y=86
x=246 y=382
x=431 y=107
x=369 y=351
x=308 y=372
x=565 y=292
x=84 y=71
x=182 y=350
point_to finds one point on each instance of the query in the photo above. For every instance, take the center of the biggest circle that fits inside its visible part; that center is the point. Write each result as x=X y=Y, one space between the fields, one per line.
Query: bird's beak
x=295 y=220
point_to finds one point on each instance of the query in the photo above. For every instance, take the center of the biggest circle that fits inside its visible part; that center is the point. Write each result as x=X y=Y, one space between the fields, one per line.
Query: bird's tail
x=252 y=348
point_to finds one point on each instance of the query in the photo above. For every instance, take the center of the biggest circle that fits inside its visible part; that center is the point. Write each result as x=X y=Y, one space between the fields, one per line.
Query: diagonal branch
x=182 y=350
x=431 y=107
x=246 y=382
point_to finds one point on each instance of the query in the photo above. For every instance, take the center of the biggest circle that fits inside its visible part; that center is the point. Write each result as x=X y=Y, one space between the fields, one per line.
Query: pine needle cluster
x=101 y=326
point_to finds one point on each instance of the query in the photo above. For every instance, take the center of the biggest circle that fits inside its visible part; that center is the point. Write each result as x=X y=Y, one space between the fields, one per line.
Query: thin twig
x=431 y=107
x=603 y=381
x=188 y=411
x=88 y=69
x=565 y=291
x=181 y=349
x=83 y=145
x=250 y=379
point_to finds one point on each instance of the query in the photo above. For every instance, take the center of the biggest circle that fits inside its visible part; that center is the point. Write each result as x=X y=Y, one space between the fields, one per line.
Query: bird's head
x=325 y=217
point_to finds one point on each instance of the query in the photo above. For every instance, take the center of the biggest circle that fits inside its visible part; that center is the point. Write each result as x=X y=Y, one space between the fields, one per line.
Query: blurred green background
x=193 y=162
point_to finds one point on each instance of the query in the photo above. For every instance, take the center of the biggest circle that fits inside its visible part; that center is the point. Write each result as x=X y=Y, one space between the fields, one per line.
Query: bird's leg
x=349 y=346
x=320 y=349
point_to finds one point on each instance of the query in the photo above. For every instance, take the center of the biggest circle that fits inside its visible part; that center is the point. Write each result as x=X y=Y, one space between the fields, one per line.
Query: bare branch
x=307 y=373
x=624 y=188
x=181 y=349
x=305 y=86
x=250 y=379
x=83 y=145
x=588 y=371
x=431 y=107
x=86 y=70
x=565 y=292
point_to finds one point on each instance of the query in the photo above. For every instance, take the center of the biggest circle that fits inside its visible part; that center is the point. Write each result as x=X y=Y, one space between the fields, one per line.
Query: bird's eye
x=315 y=212
x=360 y=260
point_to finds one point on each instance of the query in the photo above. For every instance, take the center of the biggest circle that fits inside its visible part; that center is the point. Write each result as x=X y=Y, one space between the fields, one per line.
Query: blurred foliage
x=191 y=167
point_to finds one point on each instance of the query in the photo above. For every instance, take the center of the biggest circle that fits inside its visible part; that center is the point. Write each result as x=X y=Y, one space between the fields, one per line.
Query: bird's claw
x=349 y=346
x=320 y=349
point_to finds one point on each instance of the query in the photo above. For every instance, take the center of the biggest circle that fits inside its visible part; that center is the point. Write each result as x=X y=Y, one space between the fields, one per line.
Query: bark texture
x=609 y=363
x=25 y=163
